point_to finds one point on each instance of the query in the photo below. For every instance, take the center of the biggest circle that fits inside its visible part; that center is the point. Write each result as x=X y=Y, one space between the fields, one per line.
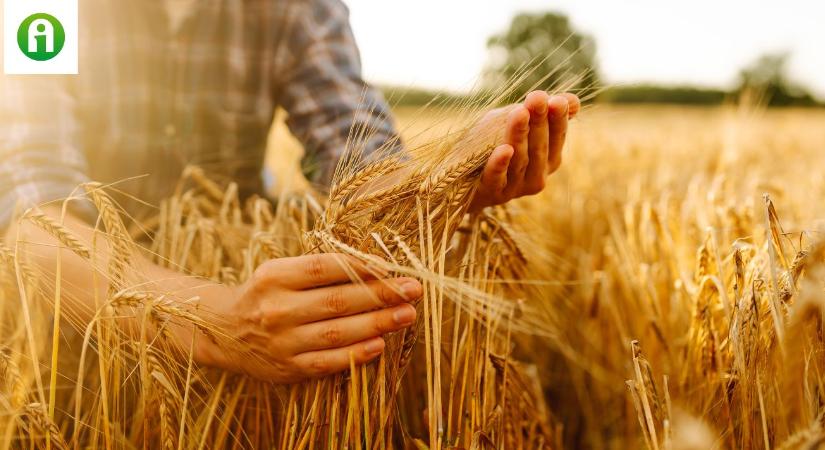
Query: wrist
x=214 y=304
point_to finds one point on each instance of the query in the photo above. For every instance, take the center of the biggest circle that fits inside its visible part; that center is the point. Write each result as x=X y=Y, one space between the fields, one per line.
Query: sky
x=442 y=43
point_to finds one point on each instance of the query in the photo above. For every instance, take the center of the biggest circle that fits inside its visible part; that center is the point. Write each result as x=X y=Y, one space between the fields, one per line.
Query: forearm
x=293 y=319
x=84 y=283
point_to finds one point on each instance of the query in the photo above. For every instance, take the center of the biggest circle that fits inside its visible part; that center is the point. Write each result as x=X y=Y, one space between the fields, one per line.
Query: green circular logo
x=41 y=37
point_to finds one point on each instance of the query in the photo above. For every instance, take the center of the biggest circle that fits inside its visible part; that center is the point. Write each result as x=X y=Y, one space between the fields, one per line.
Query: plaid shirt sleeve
x=39 y=133
x=324 y=93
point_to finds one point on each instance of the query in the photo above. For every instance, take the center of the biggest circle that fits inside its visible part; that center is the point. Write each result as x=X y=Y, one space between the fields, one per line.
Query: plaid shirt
x=151 y=99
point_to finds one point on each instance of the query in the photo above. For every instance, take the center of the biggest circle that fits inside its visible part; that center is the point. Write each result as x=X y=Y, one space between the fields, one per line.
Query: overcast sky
x=441 y=43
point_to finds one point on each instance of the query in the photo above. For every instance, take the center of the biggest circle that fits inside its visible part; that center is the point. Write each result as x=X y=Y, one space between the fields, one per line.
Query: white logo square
x=40 y=37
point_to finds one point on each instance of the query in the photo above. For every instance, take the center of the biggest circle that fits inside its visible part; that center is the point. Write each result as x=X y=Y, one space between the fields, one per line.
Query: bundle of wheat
x=651 y=297
x=121 y=381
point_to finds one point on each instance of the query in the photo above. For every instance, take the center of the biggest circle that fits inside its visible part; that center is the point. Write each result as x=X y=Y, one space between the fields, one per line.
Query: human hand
x=302 y=317
x=534 y=134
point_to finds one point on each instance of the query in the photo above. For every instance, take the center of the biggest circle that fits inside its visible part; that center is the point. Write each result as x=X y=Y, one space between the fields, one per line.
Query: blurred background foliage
x=561 y=56
x=542 y=51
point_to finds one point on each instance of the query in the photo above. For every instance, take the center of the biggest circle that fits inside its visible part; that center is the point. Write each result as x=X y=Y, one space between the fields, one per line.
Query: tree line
x=544 y=51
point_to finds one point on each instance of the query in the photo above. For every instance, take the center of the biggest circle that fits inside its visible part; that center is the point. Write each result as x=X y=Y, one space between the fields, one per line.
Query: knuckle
x=382 y=324
x=314 y=268
x=386 y=296
x=272 y=316
x=362 y=356
x=331 y=336
x=334 y=302
x=319 y=365
x=262 y=274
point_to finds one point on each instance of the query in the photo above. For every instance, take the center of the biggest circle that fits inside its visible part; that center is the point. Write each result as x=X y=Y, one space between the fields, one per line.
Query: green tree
x=767 y=78
x=545 y=48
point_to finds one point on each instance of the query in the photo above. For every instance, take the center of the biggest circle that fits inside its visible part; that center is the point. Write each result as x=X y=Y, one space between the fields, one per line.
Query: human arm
x=41 y=161
x=40 y=155
x=326 y=97
x=324 y=93
x=296 y=318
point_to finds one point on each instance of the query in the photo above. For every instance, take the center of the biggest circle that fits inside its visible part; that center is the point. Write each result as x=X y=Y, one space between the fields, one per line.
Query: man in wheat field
x=167 y=83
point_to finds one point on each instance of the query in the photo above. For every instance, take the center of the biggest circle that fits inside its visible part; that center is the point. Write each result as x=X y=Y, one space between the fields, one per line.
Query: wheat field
x=658 y=232
x=650 y=203
x=664 y=292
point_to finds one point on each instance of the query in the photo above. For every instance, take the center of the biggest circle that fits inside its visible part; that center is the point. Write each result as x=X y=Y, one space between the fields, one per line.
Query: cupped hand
x=533 y=137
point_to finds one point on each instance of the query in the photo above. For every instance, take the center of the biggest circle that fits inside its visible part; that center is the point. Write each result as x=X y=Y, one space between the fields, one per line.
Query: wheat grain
x=60 y=232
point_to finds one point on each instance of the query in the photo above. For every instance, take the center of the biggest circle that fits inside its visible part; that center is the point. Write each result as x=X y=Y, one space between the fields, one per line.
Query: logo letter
x=38 y=28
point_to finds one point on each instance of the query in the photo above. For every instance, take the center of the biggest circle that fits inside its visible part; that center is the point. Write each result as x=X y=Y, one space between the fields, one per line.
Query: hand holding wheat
x=202 y=289
x=303 y=317
x=534 y=134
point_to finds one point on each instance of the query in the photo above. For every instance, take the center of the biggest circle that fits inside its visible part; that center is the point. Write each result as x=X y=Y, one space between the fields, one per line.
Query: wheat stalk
x=60 y=232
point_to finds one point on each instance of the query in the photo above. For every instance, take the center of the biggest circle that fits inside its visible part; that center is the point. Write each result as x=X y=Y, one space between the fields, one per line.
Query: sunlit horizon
x=703 y=43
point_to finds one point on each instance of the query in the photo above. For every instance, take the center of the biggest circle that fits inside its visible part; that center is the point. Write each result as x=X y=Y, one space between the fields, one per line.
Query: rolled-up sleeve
x=40 y=158
x=324 y=93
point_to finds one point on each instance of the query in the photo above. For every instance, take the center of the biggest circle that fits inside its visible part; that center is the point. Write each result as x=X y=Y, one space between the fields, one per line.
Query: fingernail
x=374 y=346
x=411 y=289
x=542 y=108
x=564 y=104
x=404 y=316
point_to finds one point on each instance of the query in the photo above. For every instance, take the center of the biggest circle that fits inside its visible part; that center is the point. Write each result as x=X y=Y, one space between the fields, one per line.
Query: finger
x=494 y=176
x=326 y=362
x=344 y=331
x=311 y=271
x=573 y=104
x=516 y=130
x=537 y=103
x=347 y=299
x=557 y=120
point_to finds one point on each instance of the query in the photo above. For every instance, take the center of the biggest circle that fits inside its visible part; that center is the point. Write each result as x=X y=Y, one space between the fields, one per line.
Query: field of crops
x=664 y=292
